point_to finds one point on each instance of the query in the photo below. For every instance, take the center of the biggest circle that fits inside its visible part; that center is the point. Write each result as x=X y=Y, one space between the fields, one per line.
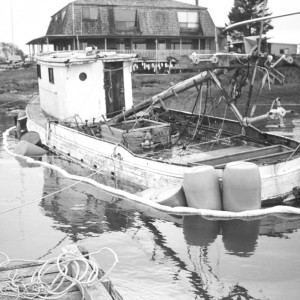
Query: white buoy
x=241 y=187
x=170 y=195
x=27 y=149
x=31 y=137
x=202 y=189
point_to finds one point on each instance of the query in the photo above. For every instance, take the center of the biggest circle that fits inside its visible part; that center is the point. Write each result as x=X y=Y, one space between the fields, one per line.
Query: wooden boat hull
x=279 y=180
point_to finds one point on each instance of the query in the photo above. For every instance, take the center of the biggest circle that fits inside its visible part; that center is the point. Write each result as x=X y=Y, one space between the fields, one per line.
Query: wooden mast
x=176 y=89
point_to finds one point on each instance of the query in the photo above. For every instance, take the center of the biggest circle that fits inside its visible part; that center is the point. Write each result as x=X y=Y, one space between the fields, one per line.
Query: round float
x=202 y=189
x=170 y=195
x=241 y=187
x=27 y=149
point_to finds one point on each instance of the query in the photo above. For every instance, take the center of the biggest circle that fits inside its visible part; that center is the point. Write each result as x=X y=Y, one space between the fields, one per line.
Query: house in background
x=278 y=48
x=153 y=29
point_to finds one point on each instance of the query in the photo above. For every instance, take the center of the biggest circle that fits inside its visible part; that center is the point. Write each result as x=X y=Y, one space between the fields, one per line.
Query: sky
x=30 y=18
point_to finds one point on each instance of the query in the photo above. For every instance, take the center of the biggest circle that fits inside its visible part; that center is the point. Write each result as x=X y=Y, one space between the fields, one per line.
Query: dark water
x=161 y=256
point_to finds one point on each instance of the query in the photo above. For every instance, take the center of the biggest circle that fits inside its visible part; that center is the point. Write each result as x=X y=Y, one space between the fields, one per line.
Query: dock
x=71 y=276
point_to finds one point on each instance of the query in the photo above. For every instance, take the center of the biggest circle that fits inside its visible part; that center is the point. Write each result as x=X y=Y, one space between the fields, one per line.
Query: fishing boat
x=84 y=110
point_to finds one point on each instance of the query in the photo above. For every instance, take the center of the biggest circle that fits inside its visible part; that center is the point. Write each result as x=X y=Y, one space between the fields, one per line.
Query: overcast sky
x=31 y=18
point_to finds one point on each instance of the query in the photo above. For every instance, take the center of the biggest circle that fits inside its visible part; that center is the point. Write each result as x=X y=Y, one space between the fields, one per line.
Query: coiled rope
x=280 y=209
x=87 y=271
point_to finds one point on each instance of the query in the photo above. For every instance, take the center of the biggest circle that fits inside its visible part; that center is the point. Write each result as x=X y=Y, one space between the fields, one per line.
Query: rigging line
x=204 y=112
x=140 y=118
x=213 y=141
x=219 y=133
x=44 y=197
x=188 y=122
x=55 y=246
x=292 y=154
x=4 y=104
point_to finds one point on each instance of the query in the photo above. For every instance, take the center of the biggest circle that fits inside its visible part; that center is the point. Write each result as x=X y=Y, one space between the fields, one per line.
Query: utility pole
x=12 y=26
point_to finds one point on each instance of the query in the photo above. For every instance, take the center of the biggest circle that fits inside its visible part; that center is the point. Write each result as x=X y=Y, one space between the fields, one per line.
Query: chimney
x=197 y=3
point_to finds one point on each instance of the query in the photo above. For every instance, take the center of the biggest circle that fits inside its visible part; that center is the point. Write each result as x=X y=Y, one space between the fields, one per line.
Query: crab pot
x=202 y=189
x=241 y=187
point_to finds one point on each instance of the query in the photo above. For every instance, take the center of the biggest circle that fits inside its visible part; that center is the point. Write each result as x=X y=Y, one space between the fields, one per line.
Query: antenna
x=12 y=26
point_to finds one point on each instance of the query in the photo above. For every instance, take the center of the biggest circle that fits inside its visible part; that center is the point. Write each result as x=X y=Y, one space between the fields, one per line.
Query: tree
x=243 y=10
x=7 y=49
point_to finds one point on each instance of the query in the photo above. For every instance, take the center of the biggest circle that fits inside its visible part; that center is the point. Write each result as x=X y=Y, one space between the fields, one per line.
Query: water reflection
x=183 y=257
x=240 y=237
x=81 y=210
x=199 y=231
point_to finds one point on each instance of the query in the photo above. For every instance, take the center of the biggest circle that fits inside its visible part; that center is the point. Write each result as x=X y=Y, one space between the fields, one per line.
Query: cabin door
x=114 y=88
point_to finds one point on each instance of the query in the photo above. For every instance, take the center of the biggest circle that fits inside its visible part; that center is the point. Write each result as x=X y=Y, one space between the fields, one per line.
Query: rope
x=87 y=272
x=182 y=211
x=22 y=100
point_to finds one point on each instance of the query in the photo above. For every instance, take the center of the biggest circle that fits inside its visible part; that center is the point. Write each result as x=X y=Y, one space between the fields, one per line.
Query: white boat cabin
x=88 y=86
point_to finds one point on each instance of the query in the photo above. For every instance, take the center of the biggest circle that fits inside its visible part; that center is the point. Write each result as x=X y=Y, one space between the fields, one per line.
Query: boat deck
x=35 y=113
x=214 y=152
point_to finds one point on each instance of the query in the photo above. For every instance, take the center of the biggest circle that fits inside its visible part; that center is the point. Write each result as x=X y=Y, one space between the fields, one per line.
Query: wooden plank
x=76 y=295
x=244 y=155
x=23 y=271
x=48 y=279
x=96 y=291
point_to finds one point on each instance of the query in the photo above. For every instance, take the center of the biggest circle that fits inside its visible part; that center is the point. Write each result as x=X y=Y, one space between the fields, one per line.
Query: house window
x=51 y=75
x=188 y=19
x=202 y=44
x=125 y=19
x=90 y=13
x=38 y=71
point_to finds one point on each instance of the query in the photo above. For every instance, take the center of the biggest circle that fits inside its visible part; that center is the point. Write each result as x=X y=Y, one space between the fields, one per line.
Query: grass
x=17 y=87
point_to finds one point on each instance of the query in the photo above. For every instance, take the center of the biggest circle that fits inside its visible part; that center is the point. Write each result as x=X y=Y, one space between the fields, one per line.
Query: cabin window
x=125 y=19
x=51 y=75
x=188 y=19
x=38 y=71
x=82 y=76
x=90 y=13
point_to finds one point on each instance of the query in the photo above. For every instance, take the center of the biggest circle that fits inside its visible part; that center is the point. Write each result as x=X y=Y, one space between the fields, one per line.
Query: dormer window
x=125 y=19
x=188 y=19
x=90 y=13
